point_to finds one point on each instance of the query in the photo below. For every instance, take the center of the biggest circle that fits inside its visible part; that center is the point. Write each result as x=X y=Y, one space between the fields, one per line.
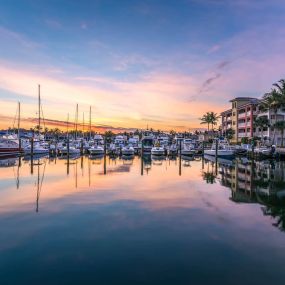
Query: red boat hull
x=8 y=152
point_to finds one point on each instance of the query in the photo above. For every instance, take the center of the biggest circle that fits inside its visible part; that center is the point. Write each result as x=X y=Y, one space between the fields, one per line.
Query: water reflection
x=141 y=221
x=260 y=182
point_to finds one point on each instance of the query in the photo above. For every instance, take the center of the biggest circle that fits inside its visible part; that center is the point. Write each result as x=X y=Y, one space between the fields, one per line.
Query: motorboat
x=119 y=141
x=98 y=139
x=172 y=150
x=9 y=147
x=72 y=151
x=224 y=149
x=263 y=151
x=134 y=142
x=112 y=150
x=147 y=143
x=163 y=141
x=188 y=149
x=158 y=150
x=96 y=150
x=37 y=149
x=128 y=150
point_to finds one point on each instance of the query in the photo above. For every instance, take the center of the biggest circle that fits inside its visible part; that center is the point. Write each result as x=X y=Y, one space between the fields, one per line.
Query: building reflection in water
x=260 y=182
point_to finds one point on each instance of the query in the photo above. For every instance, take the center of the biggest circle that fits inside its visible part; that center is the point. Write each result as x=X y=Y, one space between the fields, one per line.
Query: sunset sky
x=161 y=62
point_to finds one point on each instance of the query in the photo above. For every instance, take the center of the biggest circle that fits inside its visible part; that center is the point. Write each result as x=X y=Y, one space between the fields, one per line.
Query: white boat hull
x=264 y=152
x=157 y=151
x=36 y=151
x=221 y=152
x=96 y=151
x=72 y=151
x=128 y=151
x=187 y=152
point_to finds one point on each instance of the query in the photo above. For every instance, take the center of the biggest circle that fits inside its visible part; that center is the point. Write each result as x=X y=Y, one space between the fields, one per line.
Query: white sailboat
x=10 y=145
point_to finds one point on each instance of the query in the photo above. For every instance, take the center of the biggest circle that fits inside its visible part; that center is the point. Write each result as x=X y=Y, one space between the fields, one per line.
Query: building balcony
x=241 y=115
x=241 y=125
x=242 y=135
x=248 y=114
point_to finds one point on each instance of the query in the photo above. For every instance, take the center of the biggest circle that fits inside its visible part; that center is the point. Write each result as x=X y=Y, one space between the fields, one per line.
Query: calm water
x=134 y=223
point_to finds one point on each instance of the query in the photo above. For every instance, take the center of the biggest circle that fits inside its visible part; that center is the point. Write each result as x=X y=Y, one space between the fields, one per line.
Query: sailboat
x=37 y=147
x=11 y=145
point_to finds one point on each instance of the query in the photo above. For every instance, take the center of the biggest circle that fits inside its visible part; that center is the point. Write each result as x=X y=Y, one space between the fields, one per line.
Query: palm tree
x=206 y=119
x=214 y=117
x=280 y=86
x=280 y=125
x=274 y=100
x=260 y=123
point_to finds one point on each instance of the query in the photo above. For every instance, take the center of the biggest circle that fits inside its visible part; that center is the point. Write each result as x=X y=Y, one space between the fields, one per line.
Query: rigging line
x=15 y=117
x=43 y=117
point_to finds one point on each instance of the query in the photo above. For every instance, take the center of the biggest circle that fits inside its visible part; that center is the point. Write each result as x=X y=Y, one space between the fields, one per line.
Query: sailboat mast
x=39 y=109
x=76 y=121
x=67 y=123
x=90 y=123
x=83 y=126
x=19 y=120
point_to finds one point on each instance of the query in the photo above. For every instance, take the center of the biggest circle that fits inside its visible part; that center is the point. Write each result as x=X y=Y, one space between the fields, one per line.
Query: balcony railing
x=241 y=115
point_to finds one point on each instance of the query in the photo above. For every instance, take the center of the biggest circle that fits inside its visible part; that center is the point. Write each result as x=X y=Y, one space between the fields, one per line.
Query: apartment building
x=240 y=118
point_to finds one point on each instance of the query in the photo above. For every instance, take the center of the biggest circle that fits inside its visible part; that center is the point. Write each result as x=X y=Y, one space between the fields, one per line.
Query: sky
x=161 y=63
